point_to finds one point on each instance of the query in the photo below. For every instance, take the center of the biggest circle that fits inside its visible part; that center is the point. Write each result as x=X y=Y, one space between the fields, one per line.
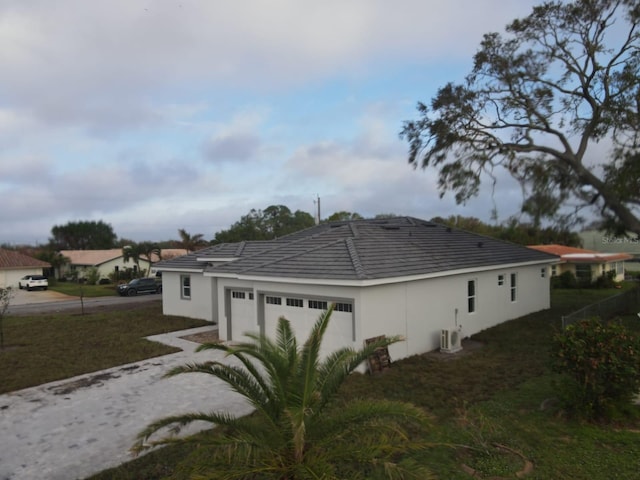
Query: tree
x=136 y=251
x=83 y=235
x=272 y=222
x=6 y=294
x=344 y=216
x=190 y=242
x=300 y=430
x=53 y=258
x=536 y=103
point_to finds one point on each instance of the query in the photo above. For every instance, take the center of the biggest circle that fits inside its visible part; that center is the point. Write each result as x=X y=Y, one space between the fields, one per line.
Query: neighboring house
x=15 y=265
x=397 y=276
x=604 y=242
x=586 y=265
x=111 y=261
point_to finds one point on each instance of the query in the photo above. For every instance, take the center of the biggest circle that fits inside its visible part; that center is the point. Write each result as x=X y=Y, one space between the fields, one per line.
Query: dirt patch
x=210 y=336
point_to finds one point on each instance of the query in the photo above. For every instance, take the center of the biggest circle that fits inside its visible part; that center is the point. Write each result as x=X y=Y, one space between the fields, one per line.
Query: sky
x=159 y=115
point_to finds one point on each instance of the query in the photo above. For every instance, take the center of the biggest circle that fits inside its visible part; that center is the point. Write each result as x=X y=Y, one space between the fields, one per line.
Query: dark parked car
x=140 y=285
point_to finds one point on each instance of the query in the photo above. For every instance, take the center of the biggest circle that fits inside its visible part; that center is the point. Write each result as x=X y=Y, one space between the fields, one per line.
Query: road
x=47 y=301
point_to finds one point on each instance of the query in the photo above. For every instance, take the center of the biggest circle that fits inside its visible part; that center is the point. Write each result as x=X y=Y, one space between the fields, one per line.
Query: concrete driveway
x=24 y=297
x=76 y=427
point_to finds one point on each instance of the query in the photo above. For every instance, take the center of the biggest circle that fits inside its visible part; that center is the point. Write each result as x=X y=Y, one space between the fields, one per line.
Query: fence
x=626 y=302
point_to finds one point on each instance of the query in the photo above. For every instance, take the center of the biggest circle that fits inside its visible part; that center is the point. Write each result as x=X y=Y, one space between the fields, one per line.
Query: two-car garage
x=260 y=311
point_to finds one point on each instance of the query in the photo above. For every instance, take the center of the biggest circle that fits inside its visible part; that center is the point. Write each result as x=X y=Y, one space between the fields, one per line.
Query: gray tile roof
x=360 y=250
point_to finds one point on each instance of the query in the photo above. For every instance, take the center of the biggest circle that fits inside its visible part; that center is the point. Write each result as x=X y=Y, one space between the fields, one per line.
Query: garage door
x=243 y=315
x=303 y=314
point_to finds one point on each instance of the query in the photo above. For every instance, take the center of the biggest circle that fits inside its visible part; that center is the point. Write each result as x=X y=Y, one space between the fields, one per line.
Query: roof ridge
x=355 y=258
x=240 y=248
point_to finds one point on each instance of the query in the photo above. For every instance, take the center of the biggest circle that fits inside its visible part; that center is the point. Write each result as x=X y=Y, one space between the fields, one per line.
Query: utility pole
x=317 y=202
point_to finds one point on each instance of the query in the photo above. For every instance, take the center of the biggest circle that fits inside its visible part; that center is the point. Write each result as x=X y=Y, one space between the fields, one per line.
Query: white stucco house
x=398 y=276
x=110 y=262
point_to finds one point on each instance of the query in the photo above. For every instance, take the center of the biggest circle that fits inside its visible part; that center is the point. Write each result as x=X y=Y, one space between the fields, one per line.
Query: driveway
x=76 y=427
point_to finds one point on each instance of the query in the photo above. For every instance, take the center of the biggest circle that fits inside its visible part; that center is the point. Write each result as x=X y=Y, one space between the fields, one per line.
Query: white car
x=33 y=281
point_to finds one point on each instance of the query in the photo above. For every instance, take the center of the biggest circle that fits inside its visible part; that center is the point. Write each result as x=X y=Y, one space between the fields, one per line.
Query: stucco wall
x=416 y=310
x=201 y=303
x=420 y=310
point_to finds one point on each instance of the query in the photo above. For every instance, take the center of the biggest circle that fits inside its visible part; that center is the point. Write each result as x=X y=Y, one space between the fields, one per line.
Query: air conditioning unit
x=450 y=341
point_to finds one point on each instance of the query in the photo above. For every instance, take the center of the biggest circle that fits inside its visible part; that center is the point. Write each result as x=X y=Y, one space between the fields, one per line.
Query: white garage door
x=243 y=315
x=303 y=313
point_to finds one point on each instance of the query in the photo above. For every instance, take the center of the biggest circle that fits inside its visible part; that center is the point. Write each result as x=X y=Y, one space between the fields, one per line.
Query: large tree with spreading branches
x=537 y=101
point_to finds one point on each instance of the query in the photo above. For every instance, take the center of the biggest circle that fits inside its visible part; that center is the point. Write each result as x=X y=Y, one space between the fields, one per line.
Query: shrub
x=606 y=280
x=92 y=276
x=104 y=281
x=602 y=364
x=565 y=280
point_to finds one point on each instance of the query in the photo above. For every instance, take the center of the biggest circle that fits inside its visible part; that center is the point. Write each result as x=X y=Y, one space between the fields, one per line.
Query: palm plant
x=300 y=429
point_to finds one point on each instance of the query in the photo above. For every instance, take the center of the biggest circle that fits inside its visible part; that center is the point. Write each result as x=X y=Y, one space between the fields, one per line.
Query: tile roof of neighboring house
x=91 y=257
x=12 y=259
x=98 y=257
x=580 y=255
x=359 y=250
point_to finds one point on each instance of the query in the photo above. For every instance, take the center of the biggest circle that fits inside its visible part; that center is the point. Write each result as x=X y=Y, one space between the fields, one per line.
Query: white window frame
x=472 y=295
x=343 y=307
x=272 y=300
x=185 y=287
x=295 y=302
x=318 y=304
x=513 y=286
x=501 y=280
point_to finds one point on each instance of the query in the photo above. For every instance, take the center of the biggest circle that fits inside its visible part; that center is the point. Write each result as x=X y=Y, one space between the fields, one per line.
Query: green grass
x=44 y=348
x=76 y=289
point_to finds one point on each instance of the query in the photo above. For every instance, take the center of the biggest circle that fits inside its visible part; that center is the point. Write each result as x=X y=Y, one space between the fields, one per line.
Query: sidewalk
x=76 y=427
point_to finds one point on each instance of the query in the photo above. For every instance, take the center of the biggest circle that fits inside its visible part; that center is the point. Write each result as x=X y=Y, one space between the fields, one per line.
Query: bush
x=564 y=280
x=92 y=276
x=606 y=280
x=602 y=364
x=104 y=281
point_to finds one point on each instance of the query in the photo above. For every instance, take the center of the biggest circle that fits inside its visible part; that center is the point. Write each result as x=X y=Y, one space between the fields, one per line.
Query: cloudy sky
x=156 y=115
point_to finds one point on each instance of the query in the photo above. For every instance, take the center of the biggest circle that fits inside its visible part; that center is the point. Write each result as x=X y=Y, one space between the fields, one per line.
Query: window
x=543 y=272
x=343 y=307
x=500 y=280
x=554 y=270
x=273 y=300
x=583 y=273
x=185 y=286
x=317 y=304
x=239 y=295
x=514 y=287
x=471 y=296
x=250 y=295
x=295 y=302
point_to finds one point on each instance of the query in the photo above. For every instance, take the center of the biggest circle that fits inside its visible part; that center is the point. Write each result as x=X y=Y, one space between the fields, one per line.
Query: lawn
x=501 y=394
x=79 y=289
x=44 y=348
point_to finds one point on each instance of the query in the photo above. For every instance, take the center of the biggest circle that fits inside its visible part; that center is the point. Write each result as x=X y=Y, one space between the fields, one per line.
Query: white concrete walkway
x=74 y=428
